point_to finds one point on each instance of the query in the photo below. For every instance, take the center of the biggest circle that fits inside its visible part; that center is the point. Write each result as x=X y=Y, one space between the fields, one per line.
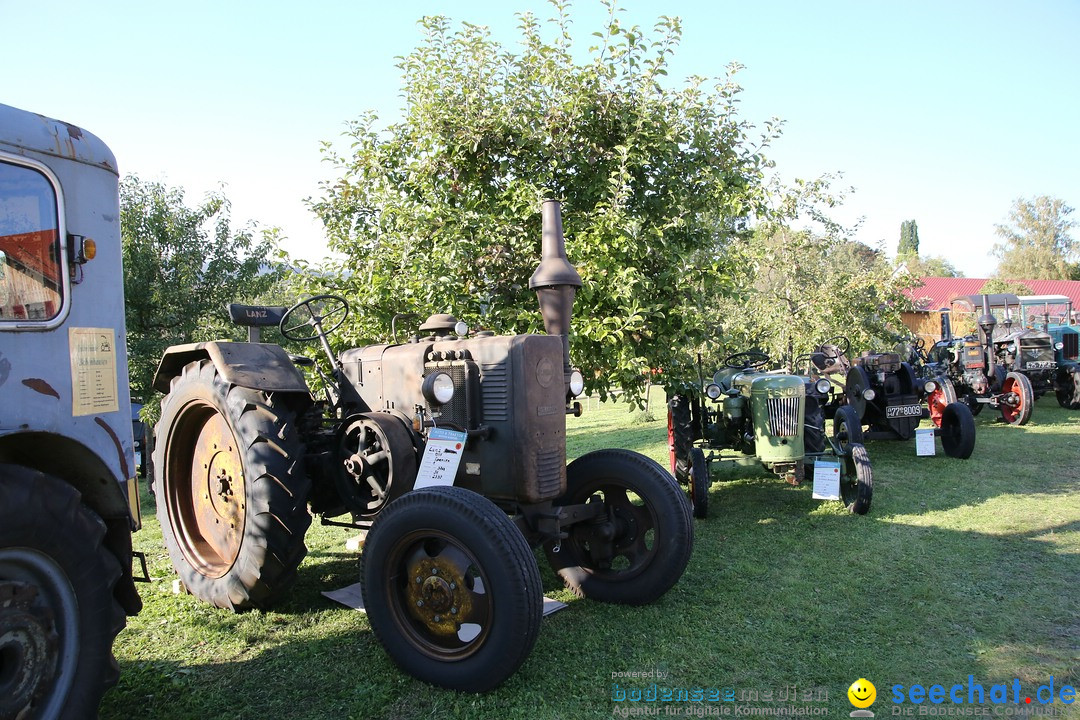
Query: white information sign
x=826 y=479
x=924 y=442
x=441 y=458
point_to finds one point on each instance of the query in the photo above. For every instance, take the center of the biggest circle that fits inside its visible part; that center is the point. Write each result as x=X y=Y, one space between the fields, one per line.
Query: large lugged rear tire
x=451 y=588
x=231 y=492
x=652 y=526
x=58 y=614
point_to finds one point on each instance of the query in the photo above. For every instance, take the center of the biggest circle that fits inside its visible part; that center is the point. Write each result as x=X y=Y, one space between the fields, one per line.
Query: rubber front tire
x=855 y=383
x=231 y=492
x=847 y=427
x=1018 y=383
x=1068 y=388
x=653 y=529
x=680 y=436
x=58 y=614
x=699 y=483
x=451 y=588
x=957 y=431
x=857 y=480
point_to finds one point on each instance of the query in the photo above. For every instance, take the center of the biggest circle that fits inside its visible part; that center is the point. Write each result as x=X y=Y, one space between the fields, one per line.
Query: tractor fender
x=259 y=366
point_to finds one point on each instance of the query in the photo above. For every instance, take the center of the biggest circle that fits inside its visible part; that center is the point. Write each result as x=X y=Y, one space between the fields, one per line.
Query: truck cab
x=68 y=495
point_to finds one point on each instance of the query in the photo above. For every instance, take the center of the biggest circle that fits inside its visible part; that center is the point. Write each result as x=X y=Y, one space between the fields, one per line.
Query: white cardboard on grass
x=826 y=479
x=441 y=458
x=924 y=442
x=350 y=596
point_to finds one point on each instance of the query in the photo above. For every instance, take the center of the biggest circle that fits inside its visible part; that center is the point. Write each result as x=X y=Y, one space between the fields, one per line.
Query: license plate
x=1041 y=364
x=903 y=411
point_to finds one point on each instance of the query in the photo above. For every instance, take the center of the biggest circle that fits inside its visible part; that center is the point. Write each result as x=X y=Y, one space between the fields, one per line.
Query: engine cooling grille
x=1071 y=342
x=784 y=416
x=494 y=392
x=549 y=464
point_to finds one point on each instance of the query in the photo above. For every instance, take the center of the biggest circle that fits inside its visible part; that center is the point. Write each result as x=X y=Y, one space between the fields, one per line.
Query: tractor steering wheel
x=313 y=312
x=839 y=342
x=750 y=360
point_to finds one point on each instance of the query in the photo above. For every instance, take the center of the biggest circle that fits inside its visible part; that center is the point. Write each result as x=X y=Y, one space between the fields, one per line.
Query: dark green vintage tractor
x=750 y=417
x=449 y=452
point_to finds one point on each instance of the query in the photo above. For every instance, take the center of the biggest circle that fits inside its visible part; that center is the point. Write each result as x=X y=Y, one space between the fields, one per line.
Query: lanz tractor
x=888 y=394
x=996 y=366
x=449 y=450
x=757 y=418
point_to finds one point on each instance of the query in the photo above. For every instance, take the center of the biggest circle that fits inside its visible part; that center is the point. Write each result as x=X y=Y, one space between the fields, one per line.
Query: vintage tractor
x=988 y=368
x=763 y=419
x=1058 y=320
x=68 y=494
x=448 y=450
x=888 y=394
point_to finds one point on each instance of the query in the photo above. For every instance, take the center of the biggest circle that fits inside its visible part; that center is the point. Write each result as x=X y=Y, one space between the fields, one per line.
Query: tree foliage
x=909 y=240
x=932 y=266
x=999 y=285
x=182 y=266
x=1036 y=242
x=440 y=212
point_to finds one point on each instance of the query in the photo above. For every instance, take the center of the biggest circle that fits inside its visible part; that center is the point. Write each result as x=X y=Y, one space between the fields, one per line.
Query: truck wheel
x=957 y=431
x=942 y=396
x=641 y=550
x=58 y=615
x=857 y=480
x=231 y=495
x=847 y=428
x=1068 y=389
x=1025 y=399
x=680 y=437
x=699 y=483
x=451 y=588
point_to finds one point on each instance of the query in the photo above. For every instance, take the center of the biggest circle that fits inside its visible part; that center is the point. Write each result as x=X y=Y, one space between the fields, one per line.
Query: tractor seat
x=256 y=315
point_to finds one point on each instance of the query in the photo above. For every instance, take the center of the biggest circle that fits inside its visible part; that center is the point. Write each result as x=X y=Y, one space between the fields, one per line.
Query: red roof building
x=936 y=292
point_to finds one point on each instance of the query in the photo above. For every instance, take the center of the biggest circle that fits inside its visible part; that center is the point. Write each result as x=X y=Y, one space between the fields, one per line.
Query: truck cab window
x=30 y=260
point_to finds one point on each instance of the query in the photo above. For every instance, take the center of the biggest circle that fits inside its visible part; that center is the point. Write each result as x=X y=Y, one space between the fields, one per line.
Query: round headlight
x=461 y=329
x=929 y=387
x=577 y=383
x=823 y=385
x=438 y=388
x=869 y=394
x=1012 y=347
x=713 y=391
x=1059 y=346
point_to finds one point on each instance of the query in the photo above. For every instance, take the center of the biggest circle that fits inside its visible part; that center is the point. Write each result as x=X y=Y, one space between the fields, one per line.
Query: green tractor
x=772 y=420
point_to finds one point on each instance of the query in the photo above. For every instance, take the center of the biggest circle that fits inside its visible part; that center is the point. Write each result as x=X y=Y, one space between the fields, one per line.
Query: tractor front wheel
x=680 y=436
x=942 y=396
x=847 y=427
x=957 y=430
x=641 y=542
x=1068 y=388
x=699 y=483
x=451 y=588
x=231 y=494
x=1017 y=411
x=856 y=479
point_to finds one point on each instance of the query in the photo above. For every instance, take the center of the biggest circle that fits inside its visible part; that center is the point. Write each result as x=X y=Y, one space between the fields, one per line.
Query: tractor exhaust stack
x=987 y=323
x=555 y=280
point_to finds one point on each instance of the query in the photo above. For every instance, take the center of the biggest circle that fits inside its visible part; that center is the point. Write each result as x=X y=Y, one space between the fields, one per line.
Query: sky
x=942 y=112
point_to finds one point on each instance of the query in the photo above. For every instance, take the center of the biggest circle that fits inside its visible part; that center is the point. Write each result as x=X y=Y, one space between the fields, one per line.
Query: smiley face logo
x=862 y=693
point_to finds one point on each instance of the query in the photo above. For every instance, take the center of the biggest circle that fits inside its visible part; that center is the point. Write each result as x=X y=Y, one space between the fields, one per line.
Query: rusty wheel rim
x=206 y=495
x=439 y=595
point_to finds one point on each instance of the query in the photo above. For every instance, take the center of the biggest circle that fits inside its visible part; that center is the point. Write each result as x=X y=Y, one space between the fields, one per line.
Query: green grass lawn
x=961 y=568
